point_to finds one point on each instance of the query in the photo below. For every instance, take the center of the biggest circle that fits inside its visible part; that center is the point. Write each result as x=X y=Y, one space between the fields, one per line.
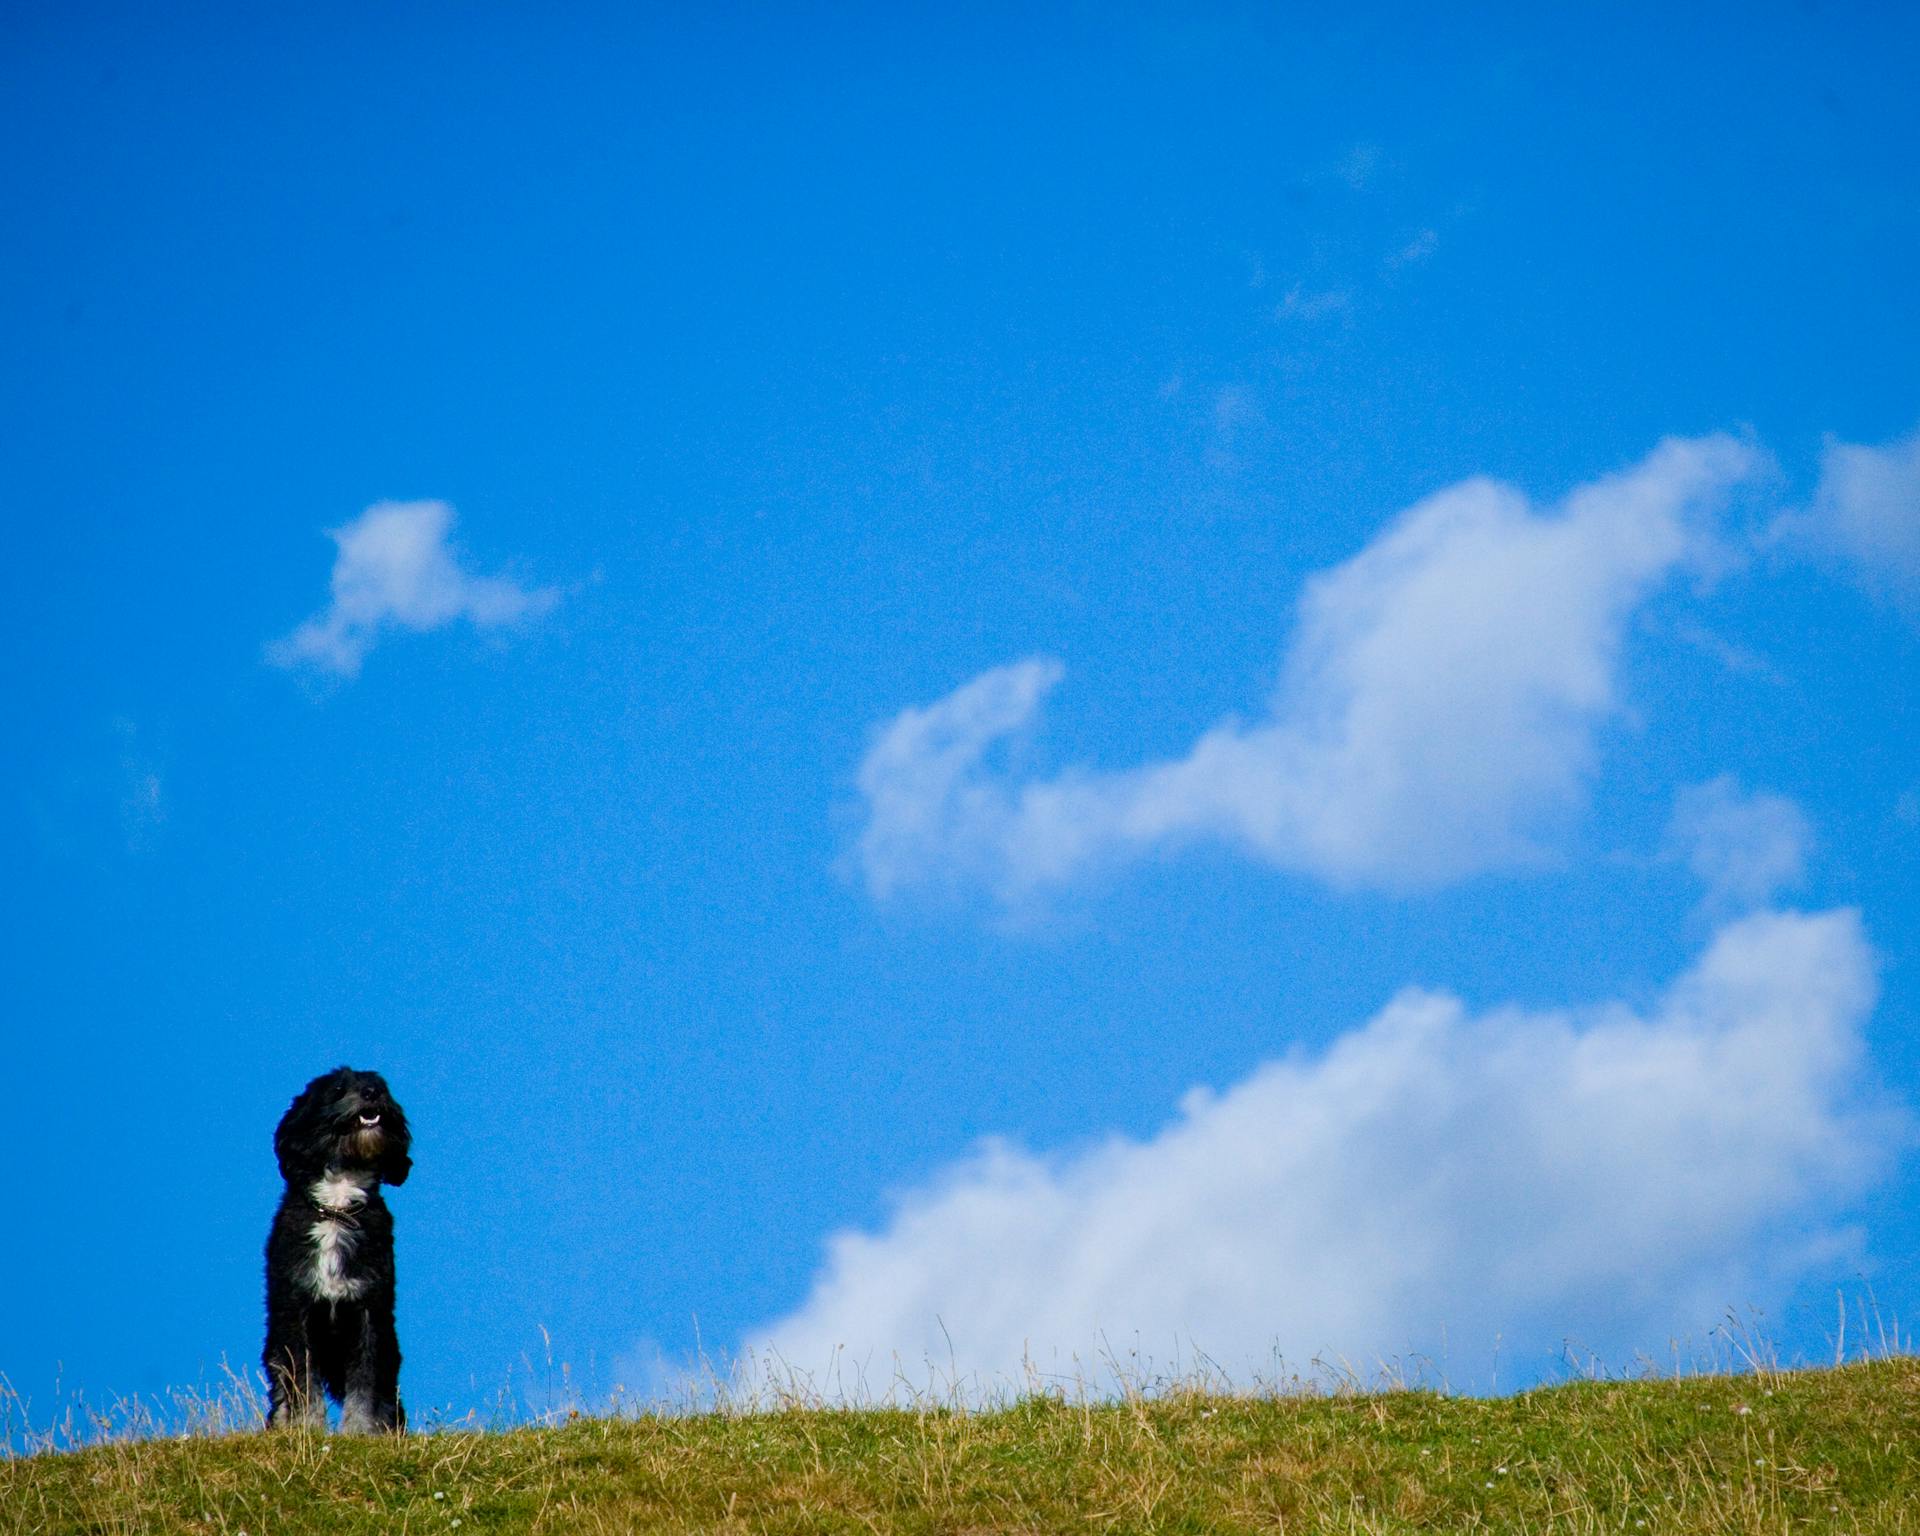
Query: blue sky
x=1215 y=680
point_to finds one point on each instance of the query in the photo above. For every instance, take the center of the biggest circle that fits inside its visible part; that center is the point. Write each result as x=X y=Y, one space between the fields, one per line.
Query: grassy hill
x=1834 y=1450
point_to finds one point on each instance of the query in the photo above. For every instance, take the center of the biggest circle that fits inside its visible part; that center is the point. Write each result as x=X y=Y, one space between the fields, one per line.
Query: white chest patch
x=335 y=1242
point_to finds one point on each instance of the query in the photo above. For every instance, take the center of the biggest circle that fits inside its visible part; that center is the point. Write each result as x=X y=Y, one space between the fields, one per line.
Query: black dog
x=330 y=1256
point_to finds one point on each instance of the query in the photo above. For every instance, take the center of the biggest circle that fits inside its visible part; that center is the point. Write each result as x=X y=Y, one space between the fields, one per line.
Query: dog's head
x=344 y=1120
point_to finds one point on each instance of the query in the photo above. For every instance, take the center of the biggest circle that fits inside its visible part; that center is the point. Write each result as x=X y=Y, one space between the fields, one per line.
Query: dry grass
x=1765 y=1451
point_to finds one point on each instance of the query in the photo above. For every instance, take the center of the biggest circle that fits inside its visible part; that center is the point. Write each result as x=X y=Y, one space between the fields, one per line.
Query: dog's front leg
x=371 y=1404
x=293 y=1397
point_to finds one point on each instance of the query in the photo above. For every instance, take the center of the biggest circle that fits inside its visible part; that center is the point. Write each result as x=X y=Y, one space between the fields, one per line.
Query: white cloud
x=1867 y=509
x=1745 y=848
x=1303 y=304
x=1416 y=250
x=1437 y=712
x=1737 y=659
x=924 y=790
x=396 y=568
x=143 y=799
x=1358 y=165
x=1435 y=1180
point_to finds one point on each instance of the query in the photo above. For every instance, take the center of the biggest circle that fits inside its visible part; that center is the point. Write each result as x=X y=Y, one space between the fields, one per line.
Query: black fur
x=330 y=1265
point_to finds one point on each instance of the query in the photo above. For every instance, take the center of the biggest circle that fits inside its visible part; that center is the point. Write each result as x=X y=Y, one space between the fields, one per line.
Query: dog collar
x=347 y=1216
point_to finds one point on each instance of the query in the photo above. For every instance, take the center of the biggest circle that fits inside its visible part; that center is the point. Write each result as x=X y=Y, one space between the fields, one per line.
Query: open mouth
x=369 y=1121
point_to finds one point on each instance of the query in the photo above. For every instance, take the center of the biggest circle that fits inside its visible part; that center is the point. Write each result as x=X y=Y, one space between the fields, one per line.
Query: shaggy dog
x=330 y=1257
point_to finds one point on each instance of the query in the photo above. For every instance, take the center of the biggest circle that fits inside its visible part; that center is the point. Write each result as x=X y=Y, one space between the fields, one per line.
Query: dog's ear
x=297 y=1139
x=395 y=1167
x=293 y=1137
x=395 y=1163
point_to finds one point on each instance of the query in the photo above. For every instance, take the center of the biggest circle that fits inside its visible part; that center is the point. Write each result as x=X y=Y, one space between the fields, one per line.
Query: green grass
x=1828 y=1450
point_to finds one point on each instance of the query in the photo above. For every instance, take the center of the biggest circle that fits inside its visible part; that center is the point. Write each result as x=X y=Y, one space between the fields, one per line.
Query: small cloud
x=1236 y=414
x=143 y=805
x=647 y=1377
x=396 y=569
x=922 y=779
x=1866 y=513
x=1737 y=659
x=1744 y=848
x=1299 y=304
x=1416 y=250
x=1358 y=166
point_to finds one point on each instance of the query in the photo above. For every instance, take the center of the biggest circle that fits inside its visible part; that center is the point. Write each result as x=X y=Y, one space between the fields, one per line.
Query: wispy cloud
x=397 y=569
x=1744 y=848
x=1359 y=165
x=1301 y=303
x=1416 y=250
x=142 y=794
x=1437 y=712
x=1737 y=659
x=1866 y=511
x=1438 y=1179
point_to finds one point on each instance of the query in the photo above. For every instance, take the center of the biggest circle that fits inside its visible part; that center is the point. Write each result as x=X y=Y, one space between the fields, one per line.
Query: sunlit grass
x=1761 y=1451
